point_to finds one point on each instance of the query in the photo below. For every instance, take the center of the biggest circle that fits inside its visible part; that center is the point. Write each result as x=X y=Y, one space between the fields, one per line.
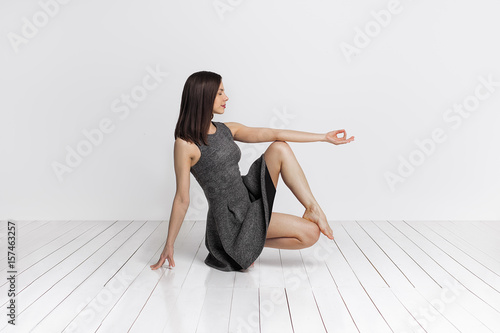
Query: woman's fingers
x=337 y=132
x=328 y=232
x=335 y=139
x=166 y=256
x=171 y=262
x=343 y=139
x=158 y=264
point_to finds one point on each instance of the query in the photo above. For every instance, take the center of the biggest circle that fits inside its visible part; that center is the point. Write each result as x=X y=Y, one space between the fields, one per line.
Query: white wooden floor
x=380 y=276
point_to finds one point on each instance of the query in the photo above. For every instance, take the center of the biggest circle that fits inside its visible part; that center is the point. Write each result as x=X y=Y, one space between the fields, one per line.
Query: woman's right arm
x=182 y=165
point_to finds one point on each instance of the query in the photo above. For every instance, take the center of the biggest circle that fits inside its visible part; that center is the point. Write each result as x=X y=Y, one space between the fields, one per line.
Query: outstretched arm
x=261 y=134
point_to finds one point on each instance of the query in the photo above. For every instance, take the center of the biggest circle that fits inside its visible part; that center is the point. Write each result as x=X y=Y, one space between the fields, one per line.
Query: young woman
x=240 y=221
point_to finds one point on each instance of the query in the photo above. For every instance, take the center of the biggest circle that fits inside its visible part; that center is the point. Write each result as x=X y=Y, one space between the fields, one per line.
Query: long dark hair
x=197 y=105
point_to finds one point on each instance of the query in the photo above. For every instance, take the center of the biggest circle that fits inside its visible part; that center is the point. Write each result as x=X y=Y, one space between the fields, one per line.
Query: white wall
x=284 y=64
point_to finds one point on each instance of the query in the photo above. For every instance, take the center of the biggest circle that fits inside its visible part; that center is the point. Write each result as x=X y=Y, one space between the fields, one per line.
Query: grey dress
x=239 y=207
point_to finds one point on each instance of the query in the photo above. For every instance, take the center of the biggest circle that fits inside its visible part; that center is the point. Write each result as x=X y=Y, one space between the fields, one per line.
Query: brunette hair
x=197 y=105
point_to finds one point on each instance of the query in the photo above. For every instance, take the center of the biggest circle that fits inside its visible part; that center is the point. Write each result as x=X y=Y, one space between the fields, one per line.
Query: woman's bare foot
x=315 y=214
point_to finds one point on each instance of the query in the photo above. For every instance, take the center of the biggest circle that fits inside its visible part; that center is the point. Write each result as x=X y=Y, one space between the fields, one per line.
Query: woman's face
x=220 y=100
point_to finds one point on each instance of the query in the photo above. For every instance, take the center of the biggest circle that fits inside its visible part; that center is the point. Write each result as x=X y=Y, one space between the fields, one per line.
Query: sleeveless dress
x=239 y=207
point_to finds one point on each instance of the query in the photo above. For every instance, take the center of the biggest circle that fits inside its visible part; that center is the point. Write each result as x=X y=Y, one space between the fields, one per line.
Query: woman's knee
x=276 y=152
x=281 y=146
x=311 y=234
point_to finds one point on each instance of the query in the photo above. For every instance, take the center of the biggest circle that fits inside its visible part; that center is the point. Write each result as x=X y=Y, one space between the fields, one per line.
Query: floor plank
x=185 y=314
x=138 y=294
x=45 y=273
x=485 y=260
x=244 y=314
x=26 y=235
x=49 y=231
x=417 y=254
x=70 y=307
x=424 y=313
x=397 y=316
x=376 y=276
x=488 y=229
x=360 y=264
x=164 y=297
x=46 y=248
x=411 y=269
x=383 y=264
x=89 y=268
x=65 y=264
x=294 y=272
x=314 y=259
x=304 y=311
x=494 y=225
x=466 y=278
x=274 y=311
x=333 y=310
x=445 y=302
x=216 y=309
x=339 y=267
x=249 y=278
x=459 y=256
x=271 y=271
x=366 y=315
x=94 y=310
x=477 y=239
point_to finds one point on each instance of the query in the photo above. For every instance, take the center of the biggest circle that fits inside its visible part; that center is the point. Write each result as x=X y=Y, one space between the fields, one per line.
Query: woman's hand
x=333 y=138
x=167 y=254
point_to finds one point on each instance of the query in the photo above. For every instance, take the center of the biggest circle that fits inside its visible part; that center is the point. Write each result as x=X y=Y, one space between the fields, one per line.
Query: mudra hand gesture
x=333 y=138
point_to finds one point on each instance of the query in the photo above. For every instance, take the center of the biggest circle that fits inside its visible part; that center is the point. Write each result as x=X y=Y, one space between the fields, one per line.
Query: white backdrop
x=91 y=93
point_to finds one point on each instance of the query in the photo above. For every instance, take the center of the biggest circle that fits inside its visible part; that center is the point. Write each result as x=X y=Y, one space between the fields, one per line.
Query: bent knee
x=280 y=143
x=312 y=234
x=281 y=146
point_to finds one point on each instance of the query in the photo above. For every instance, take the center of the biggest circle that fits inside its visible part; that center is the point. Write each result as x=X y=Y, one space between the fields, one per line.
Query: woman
x=239 y=219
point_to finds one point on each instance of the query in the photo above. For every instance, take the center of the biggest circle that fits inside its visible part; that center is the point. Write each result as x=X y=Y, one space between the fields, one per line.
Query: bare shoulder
x=234 y=126
x=186 y=151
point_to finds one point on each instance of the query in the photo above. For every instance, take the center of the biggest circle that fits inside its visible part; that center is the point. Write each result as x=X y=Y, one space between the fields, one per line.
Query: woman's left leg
x=291 y=232
x=280 y=159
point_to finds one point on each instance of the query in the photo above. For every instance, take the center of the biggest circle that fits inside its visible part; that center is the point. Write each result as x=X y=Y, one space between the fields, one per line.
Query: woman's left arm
x=260 y=134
